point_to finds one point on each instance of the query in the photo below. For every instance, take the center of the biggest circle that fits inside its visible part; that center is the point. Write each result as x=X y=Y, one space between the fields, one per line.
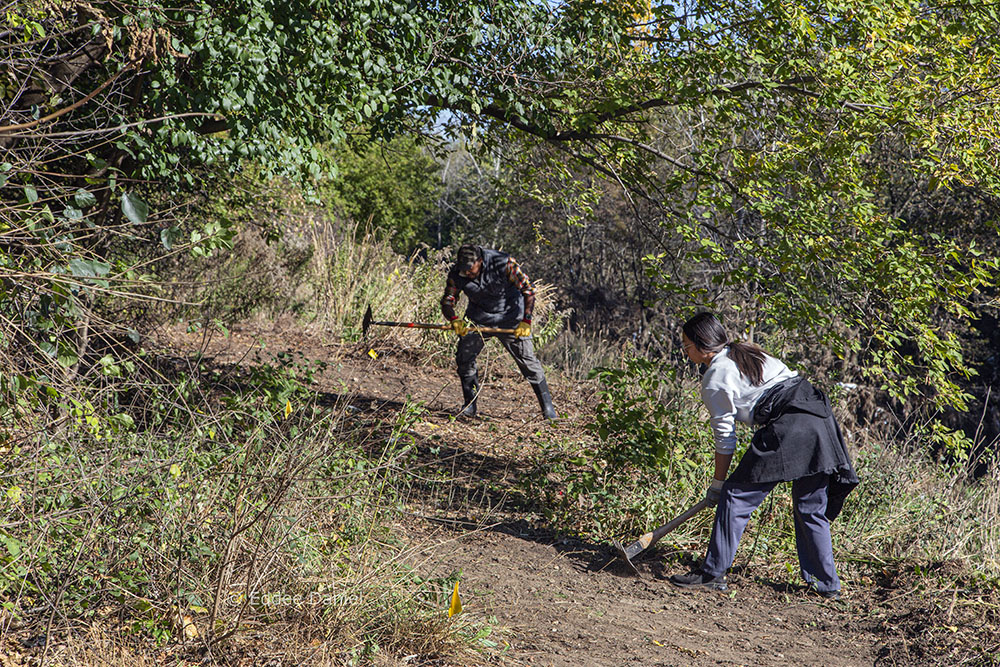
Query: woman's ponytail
x=749 y=358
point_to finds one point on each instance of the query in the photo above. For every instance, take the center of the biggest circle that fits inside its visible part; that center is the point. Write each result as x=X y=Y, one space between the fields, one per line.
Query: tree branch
x=124 y=126
x=66 y=110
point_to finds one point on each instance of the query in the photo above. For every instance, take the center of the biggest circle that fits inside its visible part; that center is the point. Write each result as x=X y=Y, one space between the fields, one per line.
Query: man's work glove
x=523 y=330
x=714 y=492
x=459 y=327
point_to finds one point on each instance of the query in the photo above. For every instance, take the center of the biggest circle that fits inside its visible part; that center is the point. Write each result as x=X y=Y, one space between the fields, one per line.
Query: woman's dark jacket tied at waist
x=798 y=437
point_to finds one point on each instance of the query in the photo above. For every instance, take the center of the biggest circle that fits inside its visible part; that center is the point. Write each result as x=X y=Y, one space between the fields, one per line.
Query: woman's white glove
x=714 y=492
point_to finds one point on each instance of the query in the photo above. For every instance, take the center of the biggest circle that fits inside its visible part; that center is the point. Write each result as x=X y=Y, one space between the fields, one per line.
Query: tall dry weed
x=577 y=353
x=350 y=272
x=912 y=506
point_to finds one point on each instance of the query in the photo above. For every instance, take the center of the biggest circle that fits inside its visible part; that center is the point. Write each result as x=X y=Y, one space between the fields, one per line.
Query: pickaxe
x=368 y=321
x=652 y=537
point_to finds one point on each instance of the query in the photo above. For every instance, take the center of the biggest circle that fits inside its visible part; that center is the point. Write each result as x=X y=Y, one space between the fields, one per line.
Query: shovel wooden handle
x=412 y=325
x=652 y=537
x=476 y=329
x=368 y=321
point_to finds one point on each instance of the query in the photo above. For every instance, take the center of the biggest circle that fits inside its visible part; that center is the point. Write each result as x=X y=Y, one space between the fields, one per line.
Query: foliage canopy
x=766 y=139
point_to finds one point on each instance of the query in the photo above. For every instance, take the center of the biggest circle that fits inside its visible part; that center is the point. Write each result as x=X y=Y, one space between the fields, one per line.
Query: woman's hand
x=714 y=492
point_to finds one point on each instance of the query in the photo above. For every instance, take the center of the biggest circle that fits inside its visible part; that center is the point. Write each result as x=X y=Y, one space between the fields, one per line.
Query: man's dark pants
x=521 y=349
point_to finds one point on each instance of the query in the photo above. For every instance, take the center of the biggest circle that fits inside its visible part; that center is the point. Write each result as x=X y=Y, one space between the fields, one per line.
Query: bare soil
x=554 y=599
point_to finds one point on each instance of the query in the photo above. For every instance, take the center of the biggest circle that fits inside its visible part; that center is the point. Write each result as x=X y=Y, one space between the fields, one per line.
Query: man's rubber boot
x=545 y=400
x=470 y=390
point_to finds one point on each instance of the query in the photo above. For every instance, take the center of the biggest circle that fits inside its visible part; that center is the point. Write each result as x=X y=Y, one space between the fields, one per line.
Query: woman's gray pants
x=812 y=528
x=470 y=345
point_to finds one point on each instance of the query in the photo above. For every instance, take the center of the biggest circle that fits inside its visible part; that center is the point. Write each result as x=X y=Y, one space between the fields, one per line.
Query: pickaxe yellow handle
x=368 y=321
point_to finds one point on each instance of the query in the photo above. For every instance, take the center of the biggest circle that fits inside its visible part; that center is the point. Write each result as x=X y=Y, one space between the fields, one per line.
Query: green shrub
x=648 y=457
x=390 y=188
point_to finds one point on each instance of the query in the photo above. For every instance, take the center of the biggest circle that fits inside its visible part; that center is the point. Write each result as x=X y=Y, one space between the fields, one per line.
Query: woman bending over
x=797 y=440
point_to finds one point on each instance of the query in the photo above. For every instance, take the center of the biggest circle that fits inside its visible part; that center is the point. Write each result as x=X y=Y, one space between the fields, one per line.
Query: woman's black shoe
x=698 y=579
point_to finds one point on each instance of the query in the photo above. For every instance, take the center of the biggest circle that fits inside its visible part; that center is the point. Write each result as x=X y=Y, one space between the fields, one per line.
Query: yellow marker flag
x=373 y=354
x=456 y=603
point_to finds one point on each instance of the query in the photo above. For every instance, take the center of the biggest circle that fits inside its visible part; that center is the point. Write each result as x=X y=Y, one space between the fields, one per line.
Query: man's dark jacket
x=494 y=301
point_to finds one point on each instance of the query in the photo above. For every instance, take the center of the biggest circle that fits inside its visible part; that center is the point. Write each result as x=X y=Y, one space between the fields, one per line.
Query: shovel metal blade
x=622 y=553
x=637 y=547
x=652 y=537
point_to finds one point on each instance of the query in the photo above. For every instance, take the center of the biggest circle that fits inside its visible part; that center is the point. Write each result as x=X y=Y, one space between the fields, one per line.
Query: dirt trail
x=561 y=608
x=559 y=601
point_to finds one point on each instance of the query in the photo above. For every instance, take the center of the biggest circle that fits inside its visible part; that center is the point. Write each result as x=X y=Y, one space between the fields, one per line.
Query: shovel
x=368 y=321
x=652 y=537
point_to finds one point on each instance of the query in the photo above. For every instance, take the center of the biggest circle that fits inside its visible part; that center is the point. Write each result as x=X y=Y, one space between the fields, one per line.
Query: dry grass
x=325 y=275
x=269 y=542
x=348 y=275
x=576 y=353
x=96 y=645
x=911 y=507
